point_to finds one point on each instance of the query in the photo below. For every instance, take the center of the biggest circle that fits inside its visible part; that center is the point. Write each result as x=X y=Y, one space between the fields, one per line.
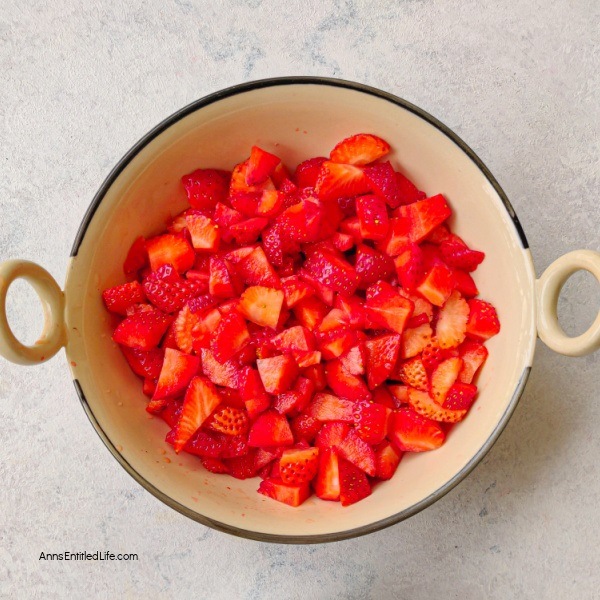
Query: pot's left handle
x=51 y=296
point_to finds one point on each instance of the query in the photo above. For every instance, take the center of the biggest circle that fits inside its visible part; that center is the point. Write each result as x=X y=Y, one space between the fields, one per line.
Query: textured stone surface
x=82 y=81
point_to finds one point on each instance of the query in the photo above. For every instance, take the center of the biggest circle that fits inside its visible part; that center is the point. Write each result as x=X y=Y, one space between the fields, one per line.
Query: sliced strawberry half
x=412 y=432
x=483 y=320
x=337 y=180
x=387 y=459
x=443 y=378
x=359 y=149
x=354 y=485
x=461 y=396
x=229 y=420
x=387 y=309
x=262 y=305
x=145 y=363
x=437 y=285
x=451 y=326
x=412 y=372
x=410 y=266
x=142 y=330
x=255 y=269
x=253 y=392
x=415 y=340
x=297 y=466
x=426 y=406
x=458 y=255
x=474 y=355
x=177 y=371
x=226 y=374
x=167 y=290
x=199 y=402
x=327 y=482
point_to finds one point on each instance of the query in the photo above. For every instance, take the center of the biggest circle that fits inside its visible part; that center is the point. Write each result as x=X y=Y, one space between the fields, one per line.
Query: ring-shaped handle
x=548 y=287
x=51 y=296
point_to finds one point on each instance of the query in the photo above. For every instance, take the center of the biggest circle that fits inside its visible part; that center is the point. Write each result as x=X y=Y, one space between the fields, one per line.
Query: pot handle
x=51 y=296
x=548 y=288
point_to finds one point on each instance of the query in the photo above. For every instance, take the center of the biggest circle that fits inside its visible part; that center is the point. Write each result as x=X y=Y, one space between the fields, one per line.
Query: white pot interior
x=296 y=122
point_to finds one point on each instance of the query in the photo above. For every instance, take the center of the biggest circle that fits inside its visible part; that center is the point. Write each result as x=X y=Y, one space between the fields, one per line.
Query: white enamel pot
x=297 y=117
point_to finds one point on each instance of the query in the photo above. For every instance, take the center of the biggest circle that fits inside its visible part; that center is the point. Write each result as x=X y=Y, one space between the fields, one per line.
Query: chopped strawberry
x=255 y=269
x=222 y=283
x=382 y=352
x=261 y=165
x=333 y=272
x=413 y=373
x=387 y=459
x=371 y=266
x=307 y=359
x=238 y=181
x=294 y=338
x=388 y=310
x=384 y=183
x=137 y=258
x=270 y=429
x=443 y=378
x=229 y=420
x=277 y=373
x=295 y=289
x=119 y=298
x=270 y=203
x=206 y=187
x=353 y=309
x=310 y=312
x=415 y=340
x=411 y=432
x=225 y=216
x=262 y=305
x=230 y=337
x=336 y=342
x=407 y=190
x=327 y=482
x=142 y=330
x=177 y=371
x=354 y=485
x=203 y=231
x=355 y=360
x=248 y=231
x=170 y=249
x=396 y=239
x=371 y=421
x=483 y=320
x=451 y=325
x=200 y=400
x=167 y=290
x=458 y=255
x=464 y=284
x=425 y=215
x=293 y=495
x=336 y=180
x=345 y=384
x=372 y=217
x=327 y=407
x=382 y=395
x=437 y=285
x=359 y=149
x=410 y=266
x=225 y=374
x=305 y=427
x=214 y=465
x=145 y=363
x=426 y=406
x=307 y=172
x=253 y=392
x=461 y=396
x=298 y=466
x=192 y=330
x=474 y=355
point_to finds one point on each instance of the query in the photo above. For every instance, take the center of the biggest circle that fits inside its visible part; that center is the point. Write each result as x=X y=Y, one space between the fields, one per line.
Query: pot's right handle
x=548 y=288
x=52 y=299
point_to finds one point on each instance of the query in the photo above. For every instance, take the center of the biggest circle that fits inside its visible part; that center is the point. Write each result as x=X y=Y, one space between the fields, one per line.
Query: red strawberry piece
x=273 y=245
x=461 y=396
x=270 y=429
x=206 y=187
x=337 y=180
x=225 y=374
x=167 y=290
x=305 y=427
x=351 y=227
x=177 y=371
x=189 y=328
x=324 y=292
x=203 y=443
x=119 y=298
x=307 y=172
x=464 y=283
x=354 y=485
x=355 y=360
x=359 y=149
x=298 y=466
x=384 y=183
x=270 y=203
x=293 y=495
x=170 y=249
x=238 y=181
x=148 y=388
x=327 y=482
x=425 y=215
x=137 y=257
x=203 y=231
x=262 y=305
x=230 y=397
x=342 y=241
x=333 y=272
x=474 y=355
x=372 y=217
x=316 y=373
x=245 y=203
x=277 y=373
x=201 y=305
x=295 y=289
x=242 y=467
x=331 y=434
x=230 y=337
x=345 y=384
x=388 y=310
x=214 y=465
x=439 y=234
x=410 y=266
x=426 y=406
x=432 y=355
x=281 y=178
x=443 y=378
x=407 y=190
x=418 y=320
x=310 y=312
x=414 y=340
x=387 y=459
x=458 y=256
x=228 y=420
x=296 y=400
x=253 y=392
x=336 y=342
x=248 y=231
x=371 y=266
x=261 y=165
x=222 y=282
x=327 y=407
x=142 y=330
x=483 y=320
x=382 y=353
x=225 y=216
x=396 y=238
x=412 y=372
x=299 y=223
x=411 y=432
x=171 y=412
x=353 y=309
x=145 y=363
x=383 y=396
x=355 y=450
x=255 y=269
x=294 y=338
x=451 y=325
x=371 y=421
x=200 y=400
x=437 y=285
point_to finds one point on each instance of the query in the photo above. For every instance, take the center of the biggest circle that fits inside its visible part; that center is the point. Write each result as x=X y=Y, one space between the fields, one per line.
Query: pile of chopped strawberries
x=305 y=327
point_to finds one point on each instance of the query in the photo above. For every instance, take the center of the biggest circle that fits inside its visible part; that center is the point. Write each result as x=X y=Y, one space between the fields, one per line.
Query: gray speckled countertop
x=82 y=81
